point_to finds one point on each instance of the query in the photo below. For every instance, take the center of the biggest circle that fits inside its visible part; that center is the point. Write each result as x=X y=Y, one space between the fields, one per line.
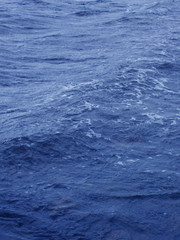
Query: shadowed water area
x=89 y=120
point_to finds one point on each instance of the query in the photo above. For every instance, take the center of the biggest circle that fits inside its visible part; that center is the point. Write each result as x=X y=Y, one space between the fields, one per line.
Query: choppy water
x=90 y=120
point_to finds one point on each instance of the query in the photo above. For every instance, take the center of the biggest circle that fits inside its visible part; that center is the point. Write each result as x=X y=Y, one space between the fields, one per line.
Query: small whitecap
x=92 y=134
x=88 y=121
x=120 y=163
x=154 y=117
x=90 y=106
x=173 y=122
x=139 y=102
x=132 y=160
x=68 y=87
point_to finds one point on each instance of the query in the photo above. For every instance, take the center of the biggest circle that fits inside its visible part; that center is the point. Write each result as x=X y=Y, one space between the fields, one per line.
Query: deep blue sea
x=89 y=120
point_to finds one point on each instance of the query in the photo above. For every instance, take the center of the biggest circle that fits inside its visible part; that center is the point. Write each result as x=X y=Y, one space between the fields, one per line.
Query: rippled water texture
x=90 y=120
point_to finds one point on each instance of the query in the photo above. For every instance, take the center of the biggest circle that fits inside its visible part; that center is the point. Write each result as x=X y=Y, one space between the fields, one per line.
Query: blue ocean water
x=90 y=120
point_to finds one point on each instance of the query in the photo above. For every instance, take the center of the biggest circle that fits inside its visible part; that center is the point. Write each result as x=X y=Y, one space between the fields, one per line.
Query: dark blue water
x=89 y=120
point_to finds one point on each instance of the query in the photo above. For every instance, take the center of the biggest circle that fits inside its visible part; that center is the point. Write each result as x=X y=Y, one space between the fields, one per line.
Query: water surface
x=90 y=120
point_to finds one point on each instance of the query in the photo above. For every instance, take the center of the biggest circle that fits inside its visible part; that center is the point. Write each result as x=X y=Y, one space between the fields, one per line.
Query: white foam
x=92 y=134
x=90 y=106
x=173 y=122
x=120 y=163
x=154 y=117
x=132 y=160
